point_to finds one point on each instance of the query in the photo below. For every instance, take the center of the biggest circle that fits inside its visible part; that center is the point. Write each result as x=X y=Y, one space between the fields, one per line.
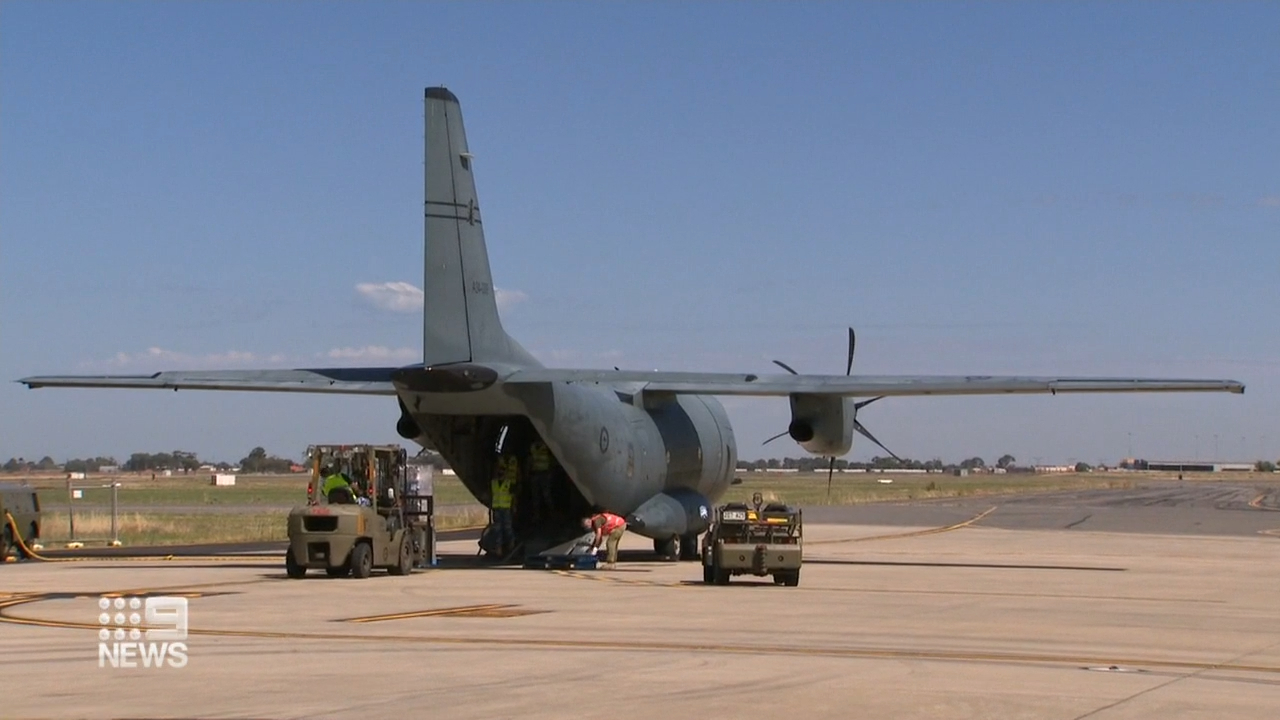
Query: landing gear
x=667 y=549
x=681 y=547
x=689 y=547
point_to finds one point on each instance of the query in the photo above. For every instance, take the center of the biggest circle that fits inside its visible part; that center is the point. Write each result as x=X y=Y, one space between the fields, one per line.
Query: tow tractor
x=374 y=523
x=756 y=540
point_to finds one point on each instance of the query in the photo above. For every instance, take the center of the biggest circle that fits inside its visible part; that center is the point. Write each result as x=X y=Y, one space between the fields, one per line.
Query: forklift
x=375 y=520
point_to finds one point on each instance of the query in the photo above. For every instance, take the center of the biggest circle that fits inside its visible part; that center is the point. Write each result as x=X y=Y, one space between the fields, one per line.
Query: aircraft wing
x=357 y=381
x=868 y=385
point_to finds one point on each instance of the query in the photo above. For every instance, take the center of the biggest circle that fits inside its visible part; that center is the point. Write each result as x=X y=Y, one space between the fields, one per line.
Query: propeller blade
x=867 y=434
x=830 y=469
x=775 y=437
x=864 y=403
x=785 y=366
x=852 y=340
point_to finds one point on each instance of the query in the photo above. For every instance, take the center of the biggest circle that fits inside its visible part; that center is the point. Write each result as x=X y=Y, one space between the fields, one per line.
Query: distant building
x=1197 y=466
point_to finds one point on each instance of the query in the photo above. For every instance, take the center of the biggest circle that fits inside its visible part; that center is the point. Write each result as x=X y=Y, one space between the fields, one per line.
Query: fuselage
x=618 y=445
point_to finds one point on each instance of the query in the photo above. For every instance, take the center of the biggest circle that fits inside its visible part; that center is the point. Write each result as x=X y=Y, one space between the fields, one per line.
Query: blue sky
x=1077 y=188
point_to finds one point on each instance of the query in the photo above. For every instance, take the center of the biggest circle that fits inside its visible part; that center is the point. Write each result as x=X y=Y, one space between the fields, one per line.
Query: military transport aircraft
x=656 y=447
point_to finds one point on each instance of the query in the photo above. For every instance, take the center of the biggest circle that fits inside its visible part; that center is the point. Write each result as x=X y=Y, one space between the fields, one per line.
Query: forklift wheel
x=404 y=562
x=291 y=566
x=361 y=560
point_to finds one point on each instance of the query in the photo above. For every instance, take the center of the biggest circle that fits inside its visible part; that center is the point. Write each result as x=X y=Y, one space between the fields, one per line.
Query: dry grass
x=142 y=528
x=139 y=490
x=860 y=489
x=136 y=528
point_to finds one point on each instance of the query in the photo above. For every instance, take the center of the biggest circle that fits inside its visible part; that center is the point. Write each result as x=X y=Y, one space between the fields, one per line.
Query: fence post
x=115 y=535
x=71 y=510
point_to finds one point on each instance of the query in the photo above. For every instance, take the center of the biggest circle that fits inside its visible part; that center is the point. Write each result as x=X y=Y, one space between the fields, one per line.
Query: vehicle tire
x=721 y=576
x=340 y=571
x=666 y=549
x=361 y=560
x=777 y=578
x=291 y=566
x=689 y=547
x=404 y=557
x=708 y=576
x=791 y=579
x=6 y=540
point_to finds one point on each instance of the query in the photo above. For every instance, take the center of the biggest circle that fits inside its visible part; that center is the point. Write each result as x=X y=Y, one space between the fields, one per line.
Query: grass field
x=262 y=490
x=251 y=504
x=142 y=528
x=863 y=488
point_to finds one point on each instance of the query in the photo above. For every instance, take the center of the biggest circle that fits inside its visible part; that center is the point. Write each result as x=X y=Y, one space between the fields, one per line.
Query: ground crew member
x=609 y=527
x=335 y=481
x=540 y=474
x=502 y=490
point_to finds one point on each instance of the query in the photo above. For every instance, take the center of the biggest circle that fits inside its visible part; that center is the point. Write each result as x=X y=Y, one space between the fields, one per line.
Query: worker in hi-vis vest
x=540 y=477
x=610 y=528
x=334 y=480
x=502 y=489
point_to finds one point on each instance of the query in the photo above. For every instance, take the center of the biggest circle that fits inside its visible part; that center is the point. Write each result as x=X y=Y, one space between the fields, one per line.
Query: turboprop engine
x=822 y=424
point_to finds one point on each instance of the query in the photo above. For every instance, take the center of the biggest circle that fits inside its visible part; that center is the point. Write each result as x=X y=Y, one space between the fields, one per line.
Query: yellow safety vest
x=539 y=457
x=502 y=480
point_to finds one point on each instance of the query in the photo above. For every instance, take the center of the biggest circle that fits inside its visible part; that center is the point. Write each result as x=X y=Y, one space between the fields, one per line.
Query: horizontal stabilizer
x=357 y=381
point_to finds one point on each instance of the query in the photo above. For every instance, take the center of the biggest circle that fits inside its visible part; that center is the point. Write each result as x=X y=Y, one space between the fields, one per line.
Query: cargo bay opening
x=547 y=508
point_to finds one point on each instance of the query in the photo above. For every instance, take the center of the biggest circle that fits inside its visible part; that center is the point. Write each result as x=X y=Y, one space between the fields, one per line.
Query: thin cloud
x=370 y=353
x=1269 y=201
x=403 y=297
x=508 y=298
x=172 y=360
x=399 y=297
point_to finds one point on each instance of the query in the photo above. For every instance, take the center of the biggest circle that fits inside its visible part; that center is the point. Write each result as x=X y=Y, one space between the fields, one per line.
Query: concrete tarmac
x=953 y=618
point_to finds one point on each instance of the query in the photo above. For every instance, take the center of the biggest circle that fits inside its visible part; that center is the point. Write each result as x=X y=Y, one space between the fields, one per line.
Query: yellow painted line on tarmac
x=427 y=613
x=601 y=576
x=1256 y=503
x=913 y=533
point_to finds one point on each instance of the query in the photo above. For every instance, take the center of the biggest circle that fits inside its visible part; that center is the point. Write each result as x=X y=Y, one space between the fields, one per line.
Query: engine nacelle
x=822 y=424
x=407 y=428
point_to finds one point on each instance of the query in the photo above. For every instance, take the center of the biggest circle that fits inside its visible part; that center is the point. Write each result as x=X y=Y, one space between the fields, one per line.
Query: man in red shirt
x=607 y=527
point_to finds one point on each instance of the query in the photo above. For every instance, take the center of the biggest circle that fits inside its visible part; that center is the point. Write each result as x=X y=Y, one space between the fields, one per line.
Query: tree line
x=815 y=464
x=183 y=461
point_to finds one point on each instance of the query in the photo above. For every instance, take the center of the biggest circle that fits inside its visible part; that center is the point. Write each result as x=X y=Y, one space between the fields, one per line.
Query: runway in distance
x=655 y=447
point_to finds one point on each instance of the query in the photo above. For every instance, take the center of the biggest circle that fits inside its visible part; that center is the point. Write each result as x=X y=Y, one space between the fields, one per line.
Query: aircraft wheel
x=361 y=560
x=689 y=547
x=291 y=566
x=666 y=549
x=404 y=558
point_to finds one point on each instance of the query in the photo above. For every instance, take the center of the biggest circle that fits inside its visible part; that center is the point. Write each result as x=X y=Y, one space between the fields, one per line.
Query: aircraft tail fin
x=460 y=313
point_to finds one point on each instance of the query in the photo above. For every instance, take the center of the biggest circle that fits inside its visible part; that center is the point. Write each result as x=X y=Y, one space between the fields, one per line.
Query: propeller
x=857 y=425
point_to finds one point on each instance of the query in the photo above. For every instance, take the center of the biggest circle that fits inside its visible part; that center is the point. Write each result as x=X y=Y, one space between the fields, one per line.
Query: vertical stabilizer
x=460 y=313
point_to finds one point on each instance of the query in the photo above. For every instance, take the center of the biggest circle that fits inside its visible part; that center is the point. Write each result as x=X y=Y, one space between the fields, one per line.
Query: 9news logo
x=122 y=642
